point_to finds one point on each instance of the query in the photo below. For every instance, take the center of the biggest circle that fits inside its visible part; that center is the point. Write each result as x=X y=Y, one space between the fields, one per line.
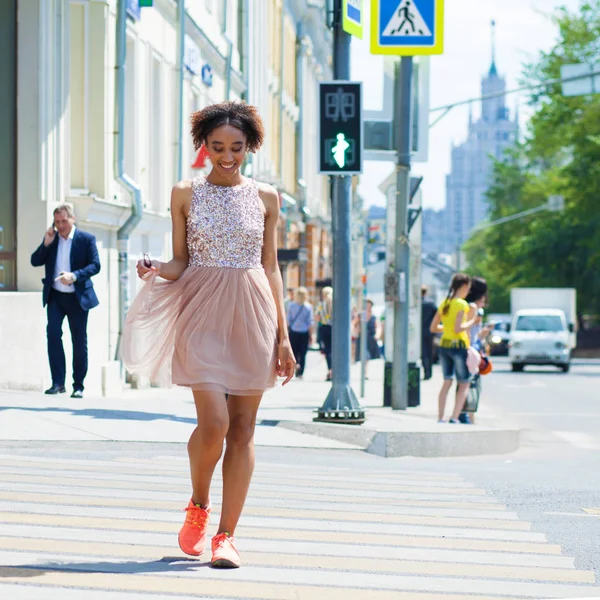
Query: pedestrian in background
x=476 y=299
x=216 y=318
x=372 y=328
x=300 y=322
x=323 y=316
x=70 y=257
x=428 y=310
x=452 y=320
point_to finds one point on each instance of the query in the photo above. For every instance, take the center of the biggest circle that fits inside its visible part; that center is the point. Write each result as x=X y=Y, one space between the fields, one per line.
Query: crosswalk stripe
x=384 y=512
x=102 y=526
x=190 y=569
x=150 y=499
x=58 y=467
x=181 y=464
x=312 y=560
x=416 y=544
x=214 y=587
x=127 y=482
x=137 y=524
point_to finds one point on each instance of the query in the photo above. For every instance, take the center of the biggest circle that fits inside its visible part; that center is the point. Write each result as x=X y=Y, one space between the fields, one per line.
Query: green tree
x=559 y=155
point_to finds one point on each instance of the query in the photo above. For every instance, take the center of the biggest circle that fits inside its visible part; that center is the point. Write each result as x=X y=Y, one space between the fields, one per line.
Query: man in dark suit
x=71 y=259
x=428 y=310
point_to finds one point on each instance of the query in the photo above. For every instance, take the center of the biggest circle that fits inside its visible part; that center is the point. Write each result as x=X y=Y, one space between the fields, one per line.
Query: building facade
x=472 y=161
x=285 y=69
x=59 y=61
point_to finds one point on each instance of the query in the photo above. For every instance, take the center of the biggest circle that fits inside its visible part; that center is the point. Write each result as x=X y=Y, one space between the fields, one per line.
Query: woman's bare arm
x=181 y=197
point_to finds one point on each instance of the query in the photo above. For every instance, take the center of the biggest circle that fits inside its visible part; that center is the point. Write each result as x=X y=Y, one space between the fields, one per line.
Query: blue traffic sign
x=407 y=27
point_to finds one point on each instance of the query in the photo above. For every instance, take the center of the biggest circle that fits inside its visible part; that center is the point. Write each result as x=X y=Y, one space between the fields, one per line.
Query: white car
x=539 y=337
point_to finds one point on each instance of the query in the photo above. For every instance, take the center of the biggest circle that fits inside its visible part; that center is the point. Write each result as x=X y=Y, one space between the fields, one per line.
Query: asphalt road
x=554 y=479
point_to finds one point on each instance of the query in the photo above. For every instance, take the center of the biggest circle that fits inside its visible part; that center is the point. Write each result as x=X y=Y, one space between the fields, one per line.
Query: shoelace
x=221 y=540
x=196 y=516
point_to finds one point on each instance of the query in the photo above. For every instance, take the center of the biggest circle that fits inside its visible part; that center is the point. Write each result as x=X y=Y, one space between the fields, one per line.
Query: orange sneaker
x=224 y=554
x=192 y=537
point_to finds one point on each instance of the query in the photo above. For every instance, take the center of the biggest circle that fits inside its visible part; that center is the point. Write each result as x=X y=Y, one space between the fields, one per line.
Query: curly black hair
x=243 y=116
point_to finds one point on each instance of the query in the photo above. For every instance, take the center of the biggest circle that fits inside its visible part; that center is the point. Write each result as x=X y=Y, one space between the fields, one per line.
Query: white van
x=539 y=336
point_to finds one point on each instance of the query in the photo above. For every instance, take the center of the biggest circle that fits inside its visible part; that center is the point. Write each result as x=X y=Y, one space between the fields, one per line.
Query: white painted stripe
x=441 y=486
x=67 y=470
x=39 y=512
x=266 y=468
x=149 y=514
x=20 y=591
x=376 y=581
x=12 y=491
x=283 y=536
x=276 y=546
x=369 y=510
x=180 y=492
x=184 y=486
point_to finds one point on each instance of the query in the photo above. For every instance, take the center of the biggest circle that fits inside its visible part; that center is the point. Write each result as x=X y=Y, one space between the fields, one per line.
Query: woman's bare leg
x=206 y=442
x=238 y=463
x=443 y=396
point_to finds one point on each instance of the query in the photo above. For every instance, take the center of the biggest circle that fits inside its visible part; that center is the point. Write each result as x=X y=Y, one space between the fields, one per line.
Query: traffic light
x=340 y=128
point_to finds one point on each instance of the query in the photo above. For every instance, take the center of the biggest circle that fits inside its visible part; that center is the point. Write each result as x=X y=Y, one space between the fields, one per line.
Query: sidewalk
x=284 y=419
x=387 y=432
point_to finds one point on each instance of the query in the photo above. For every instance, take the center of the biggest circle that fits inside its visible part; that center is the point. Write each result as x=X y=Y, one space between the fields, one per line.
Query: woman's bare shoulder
x=269 y=195
x=181 y=196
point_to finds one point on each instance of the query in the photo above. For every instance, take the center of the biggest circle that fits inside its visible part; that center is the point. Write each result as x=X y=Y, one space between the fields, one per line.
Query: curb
x=427 y=444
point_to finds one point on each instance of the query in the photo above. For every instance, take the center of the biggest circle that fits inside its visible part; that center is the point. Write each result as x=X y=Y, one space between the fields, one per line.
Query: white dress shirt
x=63 y=262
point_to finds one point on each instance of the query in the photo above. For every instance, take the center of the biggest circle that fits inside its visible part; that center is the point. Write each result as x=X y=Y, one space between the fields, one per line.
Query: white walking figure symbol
x=407 y=18
x=339 y=150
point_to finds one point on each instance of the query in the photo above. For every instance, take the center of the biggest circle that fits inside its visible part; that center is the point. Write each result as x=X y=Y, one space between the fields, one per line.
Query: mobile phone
x=53 y=227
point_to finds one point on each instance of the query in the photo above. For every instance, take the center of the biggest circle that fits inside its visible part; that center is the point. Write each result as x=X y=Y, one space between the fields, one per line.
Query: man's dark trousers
x=427 y=355
x=61 y=305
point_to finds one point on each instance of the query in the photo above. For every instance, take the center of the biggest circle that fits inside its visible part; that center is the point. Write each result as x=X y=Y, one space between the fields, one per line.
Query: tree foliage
x=559 y=155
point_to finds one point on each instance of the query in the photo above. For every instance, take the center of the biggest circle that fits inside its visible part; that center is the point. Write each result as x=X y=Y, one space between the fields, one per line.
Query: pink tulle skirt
x=213 y=329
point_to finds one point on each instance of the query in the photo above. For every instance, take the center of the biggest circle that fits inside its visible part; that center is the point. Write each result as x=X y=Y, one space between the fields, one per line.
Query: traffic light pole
x=402 y=248
x=341 y=404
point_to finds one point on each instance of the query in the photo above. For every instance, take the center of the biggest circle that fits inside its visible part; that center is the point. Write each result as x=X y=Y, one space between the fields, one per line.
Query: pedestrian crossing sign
x=407 y=27
x=353 y=17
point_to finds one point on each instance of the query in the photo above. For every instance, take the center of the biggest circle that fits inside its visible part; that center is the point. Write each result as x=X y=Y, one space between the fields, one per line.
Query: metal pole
x=180 y=85
x=402 y=249
x=341 y=405
x=363 y=316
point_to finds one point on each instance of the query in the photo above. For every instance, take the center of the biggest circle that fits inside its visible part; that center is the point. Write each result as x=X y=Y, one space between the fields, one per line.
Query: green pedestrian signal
x=340 y=128
x=339 y=150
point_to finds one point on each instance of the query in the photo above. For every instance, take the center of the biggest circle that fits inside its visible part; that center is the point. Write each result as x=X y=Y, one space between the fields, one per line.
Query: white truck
x=543 y=327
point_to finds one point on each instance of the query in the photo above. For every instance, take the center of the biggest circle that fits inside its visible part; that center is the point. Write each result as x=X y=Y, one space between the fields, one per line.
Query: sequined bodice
x=225 y=226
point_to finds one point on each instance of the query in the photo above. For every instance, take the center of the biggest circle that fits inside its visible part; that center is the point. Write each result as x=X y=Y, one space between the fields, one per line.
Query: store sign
x=191 y=55
x=207 y=75
x=133 y=9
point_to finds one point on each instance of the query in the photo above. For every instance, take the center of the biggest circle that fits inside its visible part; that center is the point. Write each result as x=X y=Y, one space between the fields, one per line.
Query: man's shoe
x=77 y=394
x=192 y=537
x=224 y=554
x=55 y=389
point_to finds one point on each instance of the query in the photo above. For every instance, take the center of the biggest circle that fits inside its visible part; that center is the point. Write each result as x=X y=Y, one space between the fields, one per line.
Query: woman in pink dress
x=213 y=318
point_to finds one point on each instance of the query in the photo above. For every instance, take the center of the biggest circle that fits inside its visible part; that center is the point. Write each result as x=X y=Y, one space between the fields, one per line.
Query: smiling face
x=226 y=146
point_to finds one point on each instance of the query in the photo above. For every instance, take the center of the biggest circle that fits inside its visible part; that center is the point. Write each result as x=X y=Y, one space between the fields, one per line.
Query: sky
x=523 y=29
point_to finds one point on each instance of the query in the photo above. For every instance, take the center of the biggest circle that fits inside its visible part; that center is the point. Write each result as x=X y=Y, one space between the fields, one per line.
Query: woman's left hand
x=286 y=362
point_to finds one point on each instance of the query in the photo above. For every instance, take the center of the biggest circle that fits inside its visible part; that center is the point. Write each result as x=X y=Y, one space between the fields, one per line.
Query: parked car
x=499 y=339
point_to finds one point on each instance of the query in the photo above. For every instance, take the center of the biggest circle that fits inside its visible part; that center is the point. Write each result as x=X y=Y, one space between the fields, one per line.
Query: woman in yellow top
x=452 y=320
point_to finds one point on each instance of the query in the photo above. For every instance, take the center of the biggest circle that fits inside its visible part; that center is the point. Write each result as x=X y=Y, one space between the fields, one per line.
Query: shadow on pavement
x=161 y=565
x=100 y=413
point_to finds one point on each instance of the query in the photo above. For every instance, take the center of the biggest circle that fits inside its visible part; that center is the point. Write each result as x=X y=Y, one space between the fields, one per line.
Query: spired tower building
x=472 y=161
